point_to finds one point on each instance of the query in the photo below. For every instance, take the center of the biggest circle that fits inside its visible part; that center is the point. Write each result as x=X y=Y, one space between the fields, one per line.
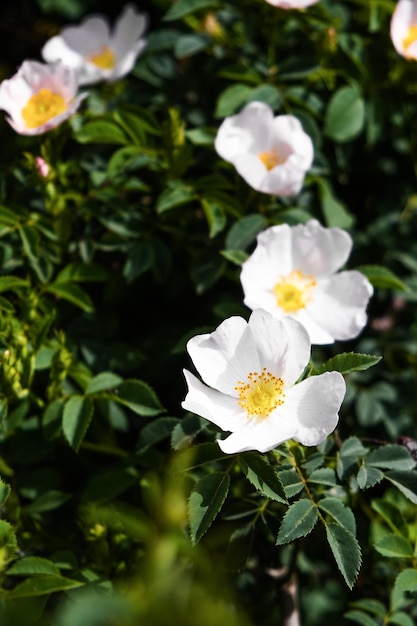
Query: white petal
x=127 y=62
x=217 y=407
x=283 y=345
x=57 y=50
x=314 y=405
x=129 y=26
x=339 y=304
x=283 y=180
x=89 y=36
x=318 y=335
x=262 y=434
x=248 y=132
x=292 y=4
x=319 y=251
x=404 y=16
x=224 y=357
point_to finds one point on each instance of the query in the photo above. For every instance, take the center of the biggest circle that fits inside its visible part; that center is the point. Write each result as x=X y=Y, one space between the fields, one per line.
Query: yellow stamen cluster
x=261 y=394
x=271 y=158
x=42 y=107
x=103 y=58
x=294 y=291
x=411 y=37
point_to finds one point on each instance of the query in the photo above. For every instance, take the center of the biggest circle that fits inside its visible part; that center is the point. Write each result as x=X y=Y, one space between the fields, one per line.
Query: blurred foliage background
x=132 y=245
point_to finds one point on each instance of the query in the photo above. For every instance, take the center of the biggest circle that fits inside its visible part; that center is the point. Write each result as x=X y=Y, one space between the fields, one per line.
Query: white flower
x=39 y=97
x=292 y=4
x=292 y=272
x=271 y=153
x=251 y=369
x=404 y=28
x=95 y=52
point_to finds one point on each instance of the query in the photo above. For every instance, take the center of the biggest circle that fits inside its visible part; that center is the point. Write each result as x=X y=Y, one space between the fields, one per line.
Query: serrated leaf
x=157 y=430
x=291 y=481
x=103 y=382
x=361 y=618
x=139 y=397
x=262 y=476
x=298 y=521
x=339 y=512
x=33 y=566
x=406 y=482
x=76 y=419
x=244 y=232
x=205 y=502
x=368 y=476
x=346 y=551
x=42 y=585
x=323 y=476
x=181 y=8
x=73 y=293
x=348 y=362
x=406 y=581
x=395 y=547
x=391 y=456
x=353 y=447
x=382 y=278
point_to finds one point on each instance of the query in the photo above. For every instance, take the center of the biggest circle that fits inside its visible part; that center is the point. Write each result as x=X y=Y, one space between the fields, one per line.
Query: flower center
x=42 y=107
x=294 y=291
x=411 y=37
x=261 y=394
x=104 y=58
x=271 y=158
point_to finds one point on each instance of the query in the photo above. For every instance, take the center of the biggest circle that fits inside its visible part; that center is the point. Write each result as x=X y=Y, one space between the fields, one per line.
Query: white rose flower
x=292 y=4
x=251 y=371
x=272 y=154
x=39 y=97
x=404 y=28
x=95 y=52
x=292 y=272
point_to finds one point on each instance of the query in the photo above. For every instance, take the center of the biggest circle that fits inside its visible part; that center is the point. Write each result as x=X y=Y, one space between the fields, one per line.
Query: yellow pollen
x=104 y=58
x=271 y=158
x=261 y=394
x=41 y=107
x=294 y=291
x=411 y=37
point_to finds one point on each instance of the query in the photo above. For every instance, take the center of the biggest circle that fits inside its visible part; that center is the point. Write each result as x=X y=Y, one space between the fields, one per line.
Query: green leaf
x=361 y=618
x=391 y=456
x=339 y=513
x=395 y=547
x=8 y=283
x=205 y=502
x=103 y=382
x=232 y=99
x=291 y=481
x=391 y=515
x=346 y=551
x=82 y=272
x=175 y=196
x=76 y=419
x=334 y=212
x=238 y=257
x=30 y=241
x=181 y=8
x=73 y=293
x=244 y=232
x=382 y=278
x=406 y=482
x=101 y=131
x=48 y=501
x=368 y=476
x=215 y=216
x=239 y=547
x=348 y=362
x=139 y=397
x=266 y=93
x=208 y=267
x=43 y=584
x=370 y=606
x=33 y=566
x=401 y=619
x=323 y=476
x=298 y=521
x=8 y=217
x=189 y=45
x=203 y=136
x=4 y=492
x=155 y=431
x=406 y=581
x=345 y=115
x=262 y=476
x=140 y=257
